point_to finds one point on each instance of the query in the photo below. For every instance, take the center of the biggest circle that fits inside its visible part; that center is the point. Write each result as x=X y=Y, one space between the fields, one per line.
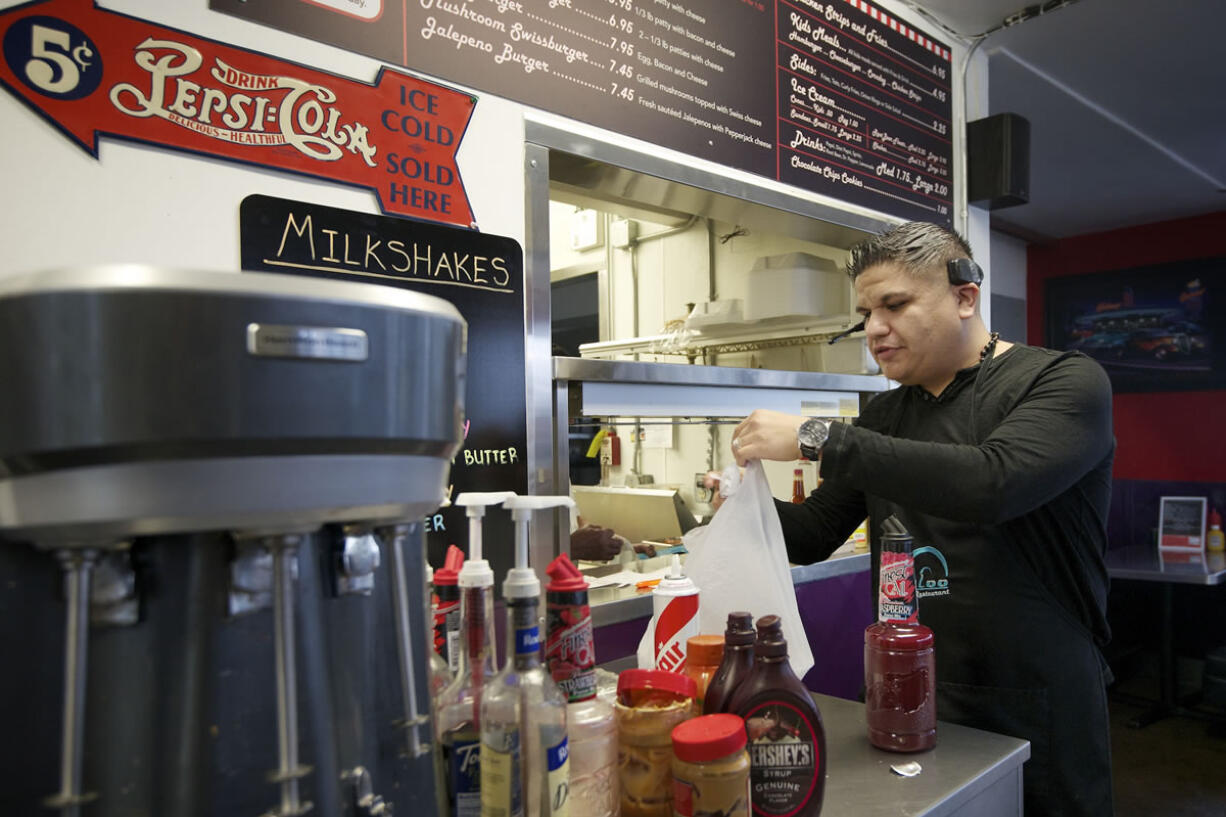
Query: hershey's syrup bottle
x=735 y=666
x=787 y=740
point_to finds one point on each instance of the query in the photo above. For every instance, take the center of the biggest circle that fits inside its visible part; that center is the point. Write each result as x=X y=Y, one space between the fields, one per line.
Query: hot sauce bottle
x=899 y=663
x=787 y=741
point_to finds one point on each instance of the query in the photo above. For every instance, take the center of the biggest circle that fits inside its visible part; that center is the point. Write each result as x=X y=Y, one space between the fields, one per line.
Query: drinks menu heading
x=833 y=96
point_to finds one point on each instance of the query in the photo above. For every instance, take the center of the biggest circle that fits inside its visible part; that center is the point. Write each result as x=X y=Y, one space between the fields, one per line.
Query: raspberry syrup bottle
x=899 y=661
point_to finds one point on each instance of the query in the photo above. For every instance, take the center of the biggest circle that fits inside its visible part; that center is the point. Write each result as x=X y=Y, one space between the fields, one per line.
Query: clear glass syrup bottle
x=524 y=751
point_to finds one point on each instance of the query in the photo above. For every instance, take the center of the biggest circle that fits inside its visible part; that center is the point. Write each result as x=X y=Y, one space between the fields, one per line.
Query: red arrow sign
x=94 y=71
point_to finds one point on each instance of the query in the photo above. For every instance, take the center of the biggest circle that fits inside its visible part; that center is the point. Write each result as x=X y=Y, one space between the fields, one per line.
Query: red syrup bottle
x=899 y=661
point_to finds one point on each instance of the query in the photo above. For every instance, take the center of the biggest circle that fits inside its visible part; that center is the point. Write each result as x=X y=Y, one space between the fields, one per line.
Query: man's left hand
x=766 y=435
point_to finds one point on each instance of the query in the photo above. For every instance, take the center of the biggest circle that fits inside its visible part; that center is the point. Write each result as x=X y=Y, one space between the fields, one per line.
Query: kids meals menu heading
x=834 y=96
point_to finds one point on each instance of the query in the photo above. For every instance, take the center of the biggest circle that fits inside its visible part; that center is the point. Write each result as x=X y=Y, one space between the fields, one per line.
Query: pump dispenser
x=524 y=755
x=459 y=716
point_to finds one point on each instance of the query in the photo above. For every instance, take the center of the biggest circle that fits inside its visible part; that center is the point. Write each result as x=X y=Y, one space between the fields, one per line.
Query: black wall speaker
x=998 y=160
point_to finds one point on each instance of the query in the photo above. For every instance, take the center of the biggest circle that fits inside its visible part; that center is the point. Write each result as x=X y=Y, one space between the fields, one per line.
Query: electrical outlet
x=586 y=230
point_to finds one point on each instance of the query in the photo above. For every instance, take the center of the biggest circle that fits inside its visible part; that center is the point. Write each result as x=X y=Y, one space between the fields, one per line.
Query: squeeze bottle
x=1214 y=539
x=778 y=710
x=447 y=611
x=590 y=726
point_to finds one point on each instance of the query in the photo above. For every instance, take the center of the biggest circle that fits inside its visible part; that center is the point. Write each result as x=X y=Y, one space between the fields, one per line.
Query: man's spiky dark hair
x=917 y=245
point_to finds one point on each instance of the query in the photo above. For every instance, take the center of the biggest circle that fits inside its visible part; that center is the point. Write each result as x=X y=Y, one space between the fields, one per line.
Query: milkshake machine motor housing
x=211 y=466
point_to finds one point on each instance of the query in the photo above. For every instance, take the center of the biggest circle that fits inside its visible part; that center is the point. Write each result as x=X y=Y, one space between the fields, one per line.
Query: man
x=997 y=458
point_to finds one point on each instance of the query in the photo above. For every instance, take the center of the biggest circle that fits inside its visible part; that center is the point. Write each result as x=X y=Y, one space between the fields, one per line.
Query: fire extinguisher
x=611 y=449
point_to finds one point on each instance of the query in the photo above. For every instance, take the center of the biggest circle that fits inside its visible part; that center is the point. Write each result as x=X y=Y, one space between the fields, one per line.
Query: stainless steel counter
x=970 y=773
x=1147 y=564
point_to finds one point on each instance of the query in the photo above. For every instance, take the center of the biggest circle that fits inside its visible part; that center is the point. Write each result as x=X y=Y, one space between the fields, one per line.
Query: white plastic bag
x=739 y=562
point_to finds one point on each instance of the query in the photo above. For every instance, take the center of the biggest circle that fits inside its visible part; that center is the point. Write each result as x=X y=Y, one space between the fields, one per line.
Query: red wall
x=1159 y=435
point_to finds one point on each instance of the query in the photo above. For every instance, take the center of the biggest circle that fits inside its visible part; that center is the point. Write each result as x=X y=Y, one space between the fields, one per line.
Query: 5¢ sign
x=53 y=57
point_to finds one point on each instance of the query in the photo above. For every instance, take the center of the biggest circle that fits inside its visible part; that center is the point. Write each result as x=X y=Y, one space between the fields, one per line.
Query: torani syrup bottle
x=787 y=741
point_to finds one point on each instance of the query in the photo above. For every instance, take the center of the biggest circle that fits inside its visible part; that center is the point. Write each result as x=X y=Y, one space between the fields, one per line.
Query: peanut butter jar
x=650 y=703
x=711 y=767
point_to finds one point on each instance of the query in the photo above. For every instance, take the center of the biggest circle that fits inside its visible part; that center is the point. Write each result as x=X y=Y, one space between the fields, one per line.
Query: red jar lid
x=639 y=680
x=895 y=636
x=708 y=737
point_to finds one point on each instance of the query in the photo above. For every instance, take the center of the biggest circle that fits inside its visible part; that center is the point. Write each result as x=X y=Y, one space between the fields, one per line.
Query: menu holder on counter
x=1181 y=529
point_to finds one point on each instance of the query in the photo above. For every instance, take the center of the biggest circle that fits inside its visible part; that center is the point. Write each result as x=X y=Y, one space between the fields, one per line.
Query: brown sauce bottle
x=787 y=741
x=734 y=667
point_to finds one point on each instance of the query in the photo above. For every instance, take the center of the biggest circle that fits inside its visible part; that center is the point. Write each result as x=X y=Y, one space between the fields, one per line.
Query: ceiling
x=1126 y=101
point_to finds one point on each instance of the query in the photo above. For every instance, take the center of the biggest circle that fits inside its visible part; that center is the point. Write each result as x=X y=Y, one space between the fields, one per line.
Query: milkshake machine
x=212 y=591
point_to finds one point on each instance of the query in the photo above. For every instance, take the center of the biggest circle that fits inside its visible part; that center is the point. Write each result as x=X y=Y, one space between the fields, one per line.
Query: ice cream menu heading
x=837 y=96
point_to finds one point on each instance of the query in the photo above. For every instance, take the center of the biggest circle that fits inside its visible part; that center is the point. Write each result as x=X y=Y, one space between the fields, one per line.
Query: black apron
x=1010 y=658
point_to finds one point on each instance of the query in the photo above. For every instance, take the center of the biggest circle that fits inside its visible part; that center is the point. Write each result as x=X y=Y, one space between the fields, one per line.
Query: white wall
x=1008 y=266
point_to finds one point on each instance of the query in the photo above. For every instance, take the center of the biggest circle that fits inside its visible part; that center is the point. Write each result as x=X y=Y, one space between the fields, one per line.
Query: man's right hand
x=593 y=543
x=766 y=435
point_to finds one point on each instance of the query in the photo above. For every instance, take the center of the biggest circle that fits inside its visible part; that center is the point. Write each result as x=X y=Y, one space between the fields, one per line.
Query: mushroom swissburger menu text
x=837 y=97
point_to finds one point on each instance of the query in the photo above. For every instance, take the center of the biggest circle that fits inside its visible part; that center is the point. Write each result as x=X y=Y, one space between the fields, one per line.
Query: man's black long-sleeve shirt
x=1019 y=453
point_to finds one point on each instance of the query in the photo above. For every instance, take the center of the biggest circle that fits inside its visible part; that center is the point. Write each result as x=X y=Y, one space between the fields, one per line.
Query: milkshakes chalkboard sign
x=834 y=96
x=481 y=275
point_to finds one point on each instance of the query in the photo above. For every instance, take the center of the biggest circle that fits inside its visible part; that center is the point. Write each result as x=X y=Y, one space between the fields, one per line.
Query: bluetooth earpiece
x=964 y=271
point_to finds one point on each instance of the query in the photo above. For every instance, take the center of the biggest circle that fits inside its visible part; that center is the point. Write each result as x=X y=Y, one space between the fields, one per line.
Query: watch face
x=812 y=433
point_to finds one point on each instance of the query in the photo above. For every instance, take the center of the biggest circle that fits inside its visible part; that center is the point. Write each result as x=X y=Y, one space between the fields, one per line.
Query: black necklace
x=989 y=347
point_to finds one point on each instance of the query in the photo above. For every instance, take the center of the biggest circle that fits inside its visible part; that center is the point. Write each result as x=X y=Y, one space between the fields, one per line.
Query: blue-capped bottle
x=524 y=753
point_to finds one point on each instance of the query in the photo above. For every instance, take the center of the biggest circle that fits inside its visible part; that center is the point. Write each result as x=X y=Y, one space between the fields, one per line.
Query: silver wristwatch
x=812 y=436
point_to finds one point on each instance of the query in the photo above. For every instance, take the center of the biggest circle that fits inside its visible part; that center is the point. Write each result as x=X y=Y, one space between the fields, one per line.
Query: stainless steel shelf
x=680 y=374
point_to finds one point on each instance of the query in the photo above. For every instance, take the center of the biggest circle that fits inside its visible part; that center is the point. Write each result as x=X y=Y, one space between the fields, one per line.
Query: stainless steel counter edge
x=615 y=612
x=965 y=765
x=630 y=371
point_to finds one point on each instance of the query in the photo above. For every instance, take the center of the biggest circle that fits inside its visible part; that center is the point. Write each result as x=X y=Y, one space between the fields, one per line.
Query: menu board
x=482 y=276
x=837 y=97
